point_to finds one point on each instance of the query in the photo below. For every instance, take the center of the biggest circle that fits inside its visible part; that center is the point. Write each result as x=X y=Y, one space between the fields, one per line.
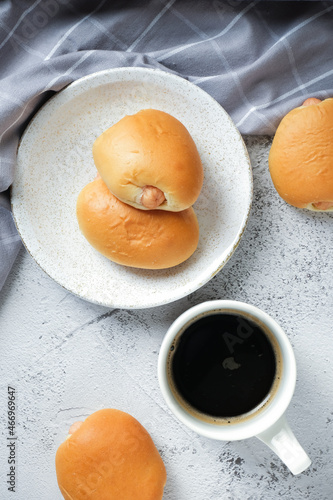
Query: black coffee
x=223 y=365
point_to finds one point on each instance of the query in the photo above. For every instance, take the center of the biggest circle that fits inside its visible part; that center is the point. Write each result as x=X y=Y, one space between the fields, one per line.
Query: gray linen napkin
x=258 y=59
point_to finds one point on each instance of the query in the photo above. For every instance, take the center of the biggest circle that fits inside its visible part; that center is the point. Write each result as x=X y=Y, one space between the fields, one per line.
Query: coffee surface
x=223 y=365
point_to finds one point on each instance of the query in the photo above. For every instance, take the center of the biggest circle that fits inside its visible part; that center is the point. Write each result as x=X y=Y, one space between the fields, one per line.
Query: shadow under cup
x=227 y=370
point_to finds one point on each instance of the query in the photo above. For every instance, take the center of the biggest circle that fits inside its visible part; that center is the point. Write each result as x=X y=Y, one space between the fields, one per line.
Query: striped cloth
x=258 y=59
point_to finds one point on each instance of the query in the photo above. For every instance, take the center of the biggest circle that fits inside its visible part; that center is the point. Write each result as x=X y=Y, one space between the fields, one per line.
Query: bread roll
x=150 y=161
x=109 y=456
x=301 y=156
x=138 y=238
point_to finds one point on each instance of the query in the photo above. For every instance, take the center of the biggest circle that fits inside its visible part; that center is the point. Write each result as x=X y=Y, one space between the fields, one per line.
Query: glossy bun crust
x=110 y=457
x=301 y=156
x=150 y=148
x=137 y=238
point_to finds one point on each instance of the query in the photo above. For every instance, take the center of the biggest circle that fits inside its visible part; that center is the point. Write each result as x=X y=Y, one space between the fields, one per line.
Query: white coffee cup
x=269 y=424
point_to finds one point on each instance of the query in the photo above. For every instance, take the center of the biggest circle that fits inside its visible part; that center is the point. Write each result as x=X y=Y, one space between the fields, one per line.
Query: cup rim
x=261 y=421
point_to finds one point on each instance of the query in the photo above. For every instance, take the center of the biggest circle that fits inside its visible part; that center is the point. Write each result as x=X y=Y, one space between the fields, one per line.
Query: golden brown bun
x=301 y=156
x=110 y=457
x=150 y=148
x=138 y=238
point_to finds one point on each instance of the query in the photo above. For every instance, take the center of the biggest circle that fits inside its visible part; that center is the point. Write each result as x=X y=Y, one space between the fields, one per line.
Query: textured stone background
x=67 y=358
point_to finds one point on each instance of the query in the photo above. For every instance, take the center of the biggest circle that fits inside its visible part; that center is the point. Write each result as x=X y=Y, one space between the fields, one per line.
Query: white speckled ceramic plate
x=55 y=161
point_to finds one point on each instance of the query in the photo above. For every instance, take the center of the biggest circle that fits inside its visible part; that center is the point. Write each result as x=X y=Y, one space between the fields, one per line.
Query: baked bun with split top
x=150 y=161
x=147 y=239
x=301 y=156
x=109 y=456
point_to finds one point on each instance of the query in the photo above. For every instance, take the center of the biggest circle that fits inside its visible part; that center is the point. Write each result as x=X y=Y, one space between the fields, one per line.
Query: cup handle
x=280 y=438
